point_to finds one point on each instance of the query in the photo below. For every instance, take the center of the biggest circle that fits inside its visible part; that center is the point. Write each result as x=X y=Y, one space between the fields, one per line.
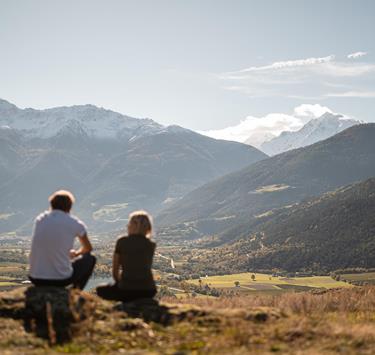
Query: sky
x=207 y=65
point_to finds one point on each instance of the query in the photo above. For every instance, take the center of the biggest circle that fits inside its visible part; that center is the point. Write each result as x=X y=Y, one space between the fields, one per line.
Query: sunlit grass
x=245 y=280
x=366 y=276
x=7 y=283
x=271 y=188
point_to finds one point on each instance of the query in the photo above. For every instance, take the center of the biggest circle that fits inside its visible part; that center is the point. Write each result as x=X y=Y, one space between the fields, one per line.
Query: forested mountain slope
x=334 y=231
x=282 y=180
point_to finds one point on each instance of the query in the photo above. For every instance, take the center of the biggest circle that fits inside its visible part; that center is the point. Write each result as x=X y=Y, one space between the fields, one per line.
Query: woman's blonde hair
x=141 y=222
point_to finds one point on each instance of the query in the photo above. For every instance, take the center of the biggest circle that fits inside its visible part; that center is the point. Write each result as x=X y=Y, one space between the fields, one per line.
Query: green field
x=268 y=284
x=7 y=283
x=368 y=277
x=271 y=188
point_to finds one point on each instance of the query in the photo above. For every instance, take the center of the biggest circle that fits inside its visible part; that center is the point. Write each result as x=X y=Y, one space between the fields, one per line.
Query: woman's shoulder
x=134 y=238
x=121 y=239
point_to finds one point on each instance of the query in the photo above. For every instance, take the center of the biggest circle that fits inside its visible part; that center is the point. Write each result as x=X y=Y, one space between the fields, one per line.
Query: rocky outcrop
x=49 y=312
x=61 y=315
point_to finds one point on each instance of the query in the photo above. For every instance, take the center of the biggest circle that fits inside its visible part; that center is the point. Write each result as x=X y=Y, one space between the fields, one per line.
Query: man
x=53 y=261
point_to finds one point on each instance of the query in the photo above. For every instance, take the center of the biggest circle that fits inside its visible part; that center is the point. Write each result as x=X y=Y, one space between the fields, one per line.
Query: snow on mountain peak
x=94 y=121
x=315 y=130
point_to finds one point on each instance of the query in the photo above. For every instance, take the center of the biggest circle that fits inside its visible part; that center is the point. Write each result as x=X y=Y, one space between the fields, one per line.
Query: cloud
x=356 y=55
x=300 y=78
x=288 y=64
x=256 y=130
x=357 y=94
x=311 y=111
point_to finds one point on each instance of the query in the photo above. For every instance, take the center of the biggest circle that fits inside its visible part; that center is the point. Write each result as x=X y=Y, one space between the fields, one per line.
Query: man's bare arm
x=86 y=246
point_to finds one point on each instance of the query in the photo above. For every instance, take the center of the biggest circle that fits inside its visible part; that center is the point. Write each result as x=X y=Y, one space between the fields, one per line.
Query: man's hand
x=73 y=253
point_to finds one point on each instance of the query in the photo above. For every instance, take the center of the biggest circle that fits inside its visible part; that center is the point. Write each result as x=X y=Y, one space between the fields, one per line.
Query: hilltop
x=333 y=321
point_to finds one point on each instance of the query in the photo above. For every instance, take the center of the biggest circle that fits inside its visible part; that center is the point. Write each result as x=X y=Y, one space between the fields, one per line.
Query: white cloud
x=356 y=55
x=358 y=94
x=311 y=111
x=289 y=64
x=257 y=130
x=299 y=78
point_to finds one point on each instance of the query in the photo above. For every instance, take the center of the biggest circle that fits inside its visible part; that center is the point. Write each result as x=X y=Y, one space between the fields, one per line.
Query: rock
x=49 y=312
x=12 y=303
x=166 y=314
x=151 y=310
x=59 y=314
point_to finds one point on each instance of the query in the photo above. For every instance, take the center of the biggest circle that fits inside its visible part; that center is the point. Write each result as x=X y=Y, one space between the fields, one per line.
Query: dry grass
x=338 y=300
x=330 y=322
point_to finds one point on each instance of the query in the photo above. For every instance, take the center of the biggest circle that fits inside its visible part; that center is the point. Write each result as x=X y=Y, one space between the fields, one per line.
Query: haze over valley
x=221 y=155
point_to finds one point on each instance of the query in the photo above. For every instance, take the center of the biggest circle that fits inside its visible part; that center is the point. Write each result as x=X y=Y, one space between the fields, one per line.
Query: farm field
x=7 y=283
x=11 y=270
x=265 y=283
x=368 y=277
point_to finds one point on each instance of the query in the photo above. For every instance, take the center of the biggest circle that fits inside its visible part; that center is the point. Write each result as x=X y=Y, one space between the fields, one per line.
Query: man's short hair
x=62 y=200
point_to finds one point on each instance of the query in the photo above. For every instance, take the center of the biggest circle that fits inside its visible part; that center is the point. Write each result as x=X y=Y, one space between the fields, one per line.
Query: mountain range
x=111 y=162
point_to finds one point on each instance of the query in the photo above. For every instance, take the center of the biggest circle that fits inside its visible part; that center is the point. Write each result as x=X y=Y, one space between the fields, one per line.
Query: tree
x=237 y=283
x=253 y=277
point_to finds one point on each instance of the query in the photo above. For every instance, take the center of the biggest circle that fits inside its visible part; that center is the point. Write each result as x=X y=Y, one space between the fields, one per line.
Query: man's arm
x=86 y=246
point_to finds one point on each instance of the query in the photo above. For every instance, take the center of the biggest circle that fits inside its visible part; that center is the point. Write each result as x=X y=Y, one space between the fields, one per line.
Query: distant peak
x=176 y=129
x=6 y=105
x=330 y=115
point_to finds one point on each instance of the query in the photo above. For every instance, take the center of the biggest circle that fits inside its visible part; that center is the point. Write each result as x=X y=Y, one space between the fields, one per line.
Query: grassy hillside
x=336 y=321
x=334 y=231
x=279 y=181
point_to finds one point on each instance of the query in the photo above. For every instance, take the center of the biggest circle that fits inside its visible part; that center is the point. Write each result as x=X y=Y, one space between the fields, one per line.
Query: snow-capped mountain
x=88 y=119
x=113 y=163
x=313 y=131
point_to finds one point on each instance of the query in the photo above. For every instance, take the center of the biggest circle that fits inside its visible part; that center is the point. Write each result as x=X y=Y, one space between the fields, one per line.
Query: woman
x=132 y=262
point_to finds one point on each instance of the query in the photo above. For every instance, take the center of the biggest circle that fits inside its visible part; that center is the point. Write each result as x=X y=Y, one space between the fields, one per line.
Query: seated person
x=53 y=261
x=132 y=262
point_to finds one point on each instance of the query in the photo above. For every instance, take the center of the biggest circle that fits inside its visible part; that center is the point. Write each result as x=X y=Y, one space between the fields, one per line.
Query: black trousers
x=114 y=293
x=82 y=270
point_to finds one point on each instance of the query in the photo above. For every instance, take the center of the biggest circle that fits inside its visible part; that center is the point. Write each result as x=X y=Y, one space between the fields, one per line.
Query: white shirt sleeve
x=81 y=228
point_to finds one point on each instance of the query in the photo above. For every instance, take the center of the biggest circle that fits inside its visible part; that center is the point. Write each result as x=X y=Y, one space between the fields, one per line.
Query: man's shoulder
x=42 y=216
x=74 y=218
x=78 y=224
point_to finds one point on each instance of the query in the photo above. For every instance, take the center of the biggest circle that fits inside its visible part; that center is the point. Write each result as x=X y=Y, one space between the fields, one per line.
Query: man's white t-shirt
x=53 y=238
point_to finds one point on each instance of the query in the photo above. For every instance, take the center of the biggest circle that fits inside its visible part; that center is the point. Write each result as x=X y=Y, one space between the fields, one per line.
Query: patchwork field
x=267 y=283
x=7 y=283
x=368 y=277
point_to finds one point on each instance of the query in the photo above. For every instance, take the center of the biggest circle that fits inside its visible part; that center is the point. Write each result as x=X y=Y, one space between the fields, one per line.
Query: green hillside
x=240 y=197
x=334 y=231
